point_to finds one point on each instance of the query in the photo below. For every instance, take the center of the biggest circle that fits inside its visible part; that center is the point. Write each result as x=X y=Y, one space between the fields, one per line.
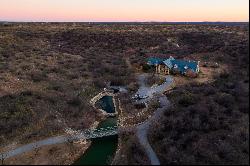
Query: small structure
x=184 y=67
x=160 y=67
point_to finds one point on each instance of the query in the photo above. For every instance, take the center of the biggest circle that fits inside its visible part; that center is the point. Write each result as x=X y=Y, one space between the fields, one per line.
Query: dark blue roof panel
x=183 y=65
x=155 y=61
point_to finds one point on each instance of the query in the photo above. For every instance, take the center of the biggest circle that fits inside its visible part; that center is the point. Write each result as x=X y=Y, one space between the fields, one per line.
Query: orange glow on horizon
x=124 y=10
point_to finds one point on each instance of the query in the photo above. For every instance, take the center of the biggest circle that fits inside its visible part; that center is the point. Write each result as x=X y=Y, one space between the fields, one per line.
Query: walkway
x=151 y=91
x=142 y=130
x=86 y=134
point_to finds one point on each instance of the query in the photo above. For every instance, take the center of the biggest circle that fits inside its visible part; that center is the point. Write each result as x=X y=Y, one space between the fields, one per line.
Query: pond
x=106 y=104
x=102 y=150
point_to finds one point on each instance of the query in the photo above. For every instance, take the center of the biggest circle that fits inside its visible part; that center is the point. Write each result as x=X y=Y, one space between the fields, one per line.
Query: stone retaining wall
x=98 y=97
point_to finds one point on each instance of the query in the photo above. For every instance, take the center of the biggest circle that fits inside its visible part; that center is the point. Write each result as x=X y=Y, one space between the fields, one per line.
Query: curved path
x=151 y=91
x=142 y=130
x=86 y=134
x=31 y=146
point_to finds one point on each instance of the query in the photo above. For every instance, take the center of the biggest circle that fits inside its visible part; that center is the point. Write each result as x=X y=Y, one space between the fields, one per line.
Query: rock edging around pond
x=101 y=95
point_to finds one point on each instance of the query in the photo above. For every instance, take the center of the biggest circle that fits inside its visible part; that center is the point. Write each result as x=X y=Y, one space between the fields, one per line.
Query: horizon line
x=127 y=21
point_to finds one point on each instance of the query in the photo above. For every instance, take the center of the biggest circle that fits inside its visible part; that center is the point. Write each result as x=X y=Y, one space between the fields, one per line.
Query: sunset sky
x=124 y=10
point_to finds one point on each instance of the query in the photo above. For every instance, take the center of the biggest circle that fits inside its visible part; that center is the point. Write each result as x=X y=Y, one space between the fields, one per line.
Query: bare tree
x=70 y=144
x=36 y=150
x=3 y=156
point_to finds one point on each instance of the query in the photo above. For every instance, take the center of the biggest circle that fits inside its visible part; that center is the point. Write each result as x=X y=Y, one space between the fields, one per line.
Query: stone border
x=98 y=97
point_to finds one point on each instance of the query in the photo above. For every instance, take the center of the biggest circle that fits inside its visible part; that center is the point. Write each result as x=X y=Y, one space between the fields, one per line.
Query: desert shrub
x=75 y=101
x=224 y=99
x=26 y=93
x=134 y=60
x=85 y=75
x=55 y=70
x=88 y=92
x=136 y=154
x=25 y=67
x=72 y=76
x=187 y=99
x=190 y=73
x=214 y=65
x=153 y=105
x=38 y=76
x=175 y=72
x=4 y=66
x=244 y=107
x=133 y=86
x=154 y=79
x=190 y=135
x=140 y=106
x=116 y=81
x=117 y=72
x=230 y=85
x=205 y=64
x=56 y=86
x=7 y=52
x=50 y=97
x=224 y=75
x=209 y=90
x=99 y=83
x=146 y=68
x=16 y=113
x=117 y=62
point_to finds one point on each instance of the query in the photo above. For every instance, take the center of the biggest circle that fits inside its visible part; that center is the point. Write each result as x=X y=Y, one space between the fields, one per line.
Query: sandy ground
x=53 y=153
x=60 y=154
x=207 y=75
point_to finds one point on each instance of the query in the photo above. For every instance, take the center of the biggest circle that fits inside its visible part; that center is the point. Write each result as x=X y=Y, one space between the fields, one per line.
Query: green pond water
x=106 y=103
x=101 y=150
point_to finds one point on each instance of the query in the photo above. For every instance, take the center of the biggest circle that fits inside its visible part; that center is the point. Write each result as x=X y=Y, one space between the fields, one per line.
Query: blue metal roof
x=183 y=65
x=155 y=61
x=180 y=65
x=168 y=62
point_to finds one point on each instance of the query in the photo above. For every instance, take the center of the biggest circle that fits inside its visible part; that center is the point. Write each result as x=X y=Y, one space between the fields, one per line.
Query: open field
x=50 y=71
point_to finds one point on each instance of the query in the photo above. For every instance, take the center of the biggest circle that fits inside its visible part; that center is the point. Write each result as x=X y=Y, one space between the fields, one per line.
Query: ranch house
x=184 y=67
